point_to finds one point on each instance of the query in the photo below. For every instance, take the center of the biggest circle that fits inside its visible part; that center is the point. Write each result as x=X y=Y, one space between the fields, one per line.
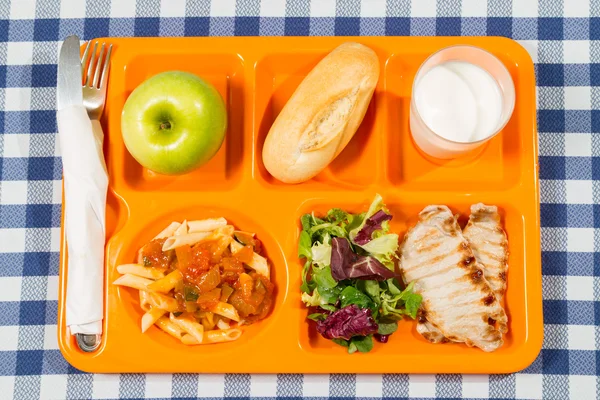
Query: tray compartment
x=277 y=77
x=407 y=341
x=225 y=72
x=494 y=165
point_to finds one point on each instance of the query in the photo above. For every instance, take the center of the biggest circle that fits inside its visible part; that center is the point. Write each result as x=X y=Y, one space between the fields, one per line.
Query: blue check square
x=43 y=75
x=552 y=167
x=550 y=28
x=550 y=75
x=246 y=26
x=595 y=74
x=580 y=312
x=20 y=30
x=580 y=215
x=554 y=263
x=578 y=121
x=36 y=263
x=95 y=27
x=580 y=264
x=555 y=311
x=32 y=313
x=8 y=363
x=12 y=263
x=9 y=313
x=397 y=26
x=420 y=26
x=577 y=28
x=582 y=362
x=447 y=26
x=499 y=26
x=553 y=215
x=54 y=363
x=12 y=216
x=552 y=121
x=121 y=27
x=14 y=169
x=46 y=30
x=473 y=26
x=297 y=26
x=4 y=30
x=51 y=312
x=147 y=27
x=41 y=169
x=555 y=362
x=579 y=168
x=43 y=121
x=594 y=28
x=39 y=216
x=347 y=26
x=18 y=75
x=577 y=75
x=29 y=362
x=524 y=28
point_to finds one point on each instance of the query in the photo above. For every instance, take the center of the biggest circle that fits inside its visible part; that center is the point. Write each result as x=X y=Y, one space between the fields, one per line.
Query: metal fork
x=95 y=81
x=94 y=98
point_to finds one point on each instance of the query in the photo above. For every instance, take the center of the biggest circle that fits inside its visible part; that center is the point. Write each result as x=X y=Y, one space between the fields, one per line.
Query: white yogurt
x=459 y=101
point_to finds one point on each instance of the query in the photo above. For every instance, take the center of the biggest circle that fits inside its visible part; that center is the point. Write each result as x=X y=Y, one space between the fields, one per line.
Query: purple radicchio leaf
x=348 y=322
x=372 y=224
x=345 y=264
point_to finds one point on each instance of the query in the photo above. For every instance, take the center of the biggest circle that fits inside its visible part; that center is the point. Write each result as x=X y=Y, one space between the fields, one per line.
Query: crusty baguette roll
x=322 y=115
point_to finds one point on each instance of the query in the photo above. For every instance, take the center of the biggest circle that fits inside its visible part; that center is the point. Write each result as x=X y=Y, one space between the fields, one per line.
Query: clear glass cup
x=437 y=146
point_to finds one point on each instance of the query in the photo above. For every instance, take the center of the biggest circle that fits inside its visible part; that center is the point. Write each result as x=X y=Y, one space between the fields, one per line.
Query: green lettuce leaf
x=321 y=254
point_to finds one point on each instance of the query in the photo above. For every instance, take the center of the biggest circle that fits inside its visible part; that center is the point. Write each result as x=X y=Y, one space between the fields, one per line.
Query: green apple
x=174 y=122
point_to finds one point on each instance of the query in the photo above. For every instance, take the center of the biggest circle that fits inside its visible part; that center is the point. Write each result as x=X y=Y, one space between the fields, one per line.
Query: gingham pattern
x=563 y=37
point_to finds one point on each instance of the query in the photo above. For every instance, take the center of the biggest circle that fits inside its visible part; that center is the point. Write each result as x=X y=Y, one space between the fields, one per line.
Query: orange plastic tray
x=256 y=76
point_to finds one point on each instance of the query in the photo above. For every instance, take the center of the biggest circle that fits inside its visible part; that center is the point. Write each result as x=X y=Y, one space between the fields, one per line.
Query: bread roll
x=322 y=115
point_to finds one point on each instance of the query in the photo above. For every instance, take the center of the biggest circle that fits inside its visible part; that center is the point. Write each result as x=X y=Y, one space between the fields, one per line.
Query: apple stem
x=165 y=125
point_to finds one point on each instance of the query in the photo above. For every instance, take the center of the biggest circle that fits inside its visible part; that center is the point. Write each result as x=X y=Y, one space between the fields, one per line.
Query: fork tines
x=95 y=77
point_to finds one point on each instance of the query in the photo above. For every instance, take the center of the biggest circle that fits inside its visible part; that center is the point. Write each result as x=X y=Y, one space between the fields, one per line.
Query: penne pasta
x=214 y=336
x=150 y=318
x=182 y=230
x=144 y=302
x=226 y=310
x=189 y=326
x=206 y=225
x=258 y=263
x=166 y=325
x=168 y=231
x=222 y=324
x=158 y=300
x=167 y=283
x=140 y=270
x=133 y=281
x=181 y=240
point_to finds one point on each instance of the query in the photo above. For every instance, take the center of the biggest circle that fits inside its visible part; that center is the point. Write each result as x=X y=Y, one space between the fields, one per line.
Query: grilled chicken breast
x=489 y=244
x=457 y=299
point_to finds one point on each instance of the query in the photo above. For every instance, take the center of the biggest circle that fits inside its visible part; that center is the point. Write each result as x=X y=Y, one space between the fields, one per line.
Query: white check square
x=474 y=8
x=582 y=387
x=578 y=98
x=576 y=8
x=580 y=288
x=122 y=9
x=421 y=386
x=12 y=241
x=10 y=338
x=528 y=386
x=72 y=9
x=16 y=145
x=576 y=51
x=368 y=385
x=524 y=8
x=580 y=240
x=423 y=8
x=222 y=8
x=579 y=192
x=158 y=385
x=211 y=385
x=7 y=385
x=51 y=385
x=263 y=385
x=22 y=9
x=17 y=99
x=475 y=386
x=315 y=386
x=578 y=145
x=581 y=337
x=19 y=53
x=532 y=48
x=105 y=386
x=50 y=337
x=13 y=192
x=272 y=8
x=172 y=8
x=322 y=8
x=373 y=9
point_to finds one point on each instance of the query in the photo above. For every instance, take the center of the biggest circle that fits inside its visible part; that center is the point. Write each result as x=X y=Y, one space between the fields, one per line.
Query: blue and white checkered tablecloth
x=562 y=36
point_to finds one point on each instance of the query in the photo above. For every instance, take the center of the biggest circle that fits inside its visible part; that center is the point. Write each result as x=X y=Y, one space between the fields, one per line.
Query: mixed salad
x=348 y=279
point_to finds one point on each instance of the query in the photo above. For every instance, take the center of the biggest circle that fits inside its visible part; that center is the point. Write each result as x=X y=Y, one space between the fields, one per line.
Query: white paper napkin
x=85 y=186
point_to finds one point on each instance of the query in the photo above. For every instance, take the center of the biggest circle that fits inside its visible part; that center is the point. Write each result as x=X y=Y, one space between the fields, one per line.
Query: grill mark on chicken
x=452 y=282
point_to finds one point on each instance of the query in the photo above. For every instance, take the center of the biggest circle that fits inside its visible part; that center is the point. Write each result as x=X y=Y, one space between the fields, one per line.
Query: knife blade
x=69 y=74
